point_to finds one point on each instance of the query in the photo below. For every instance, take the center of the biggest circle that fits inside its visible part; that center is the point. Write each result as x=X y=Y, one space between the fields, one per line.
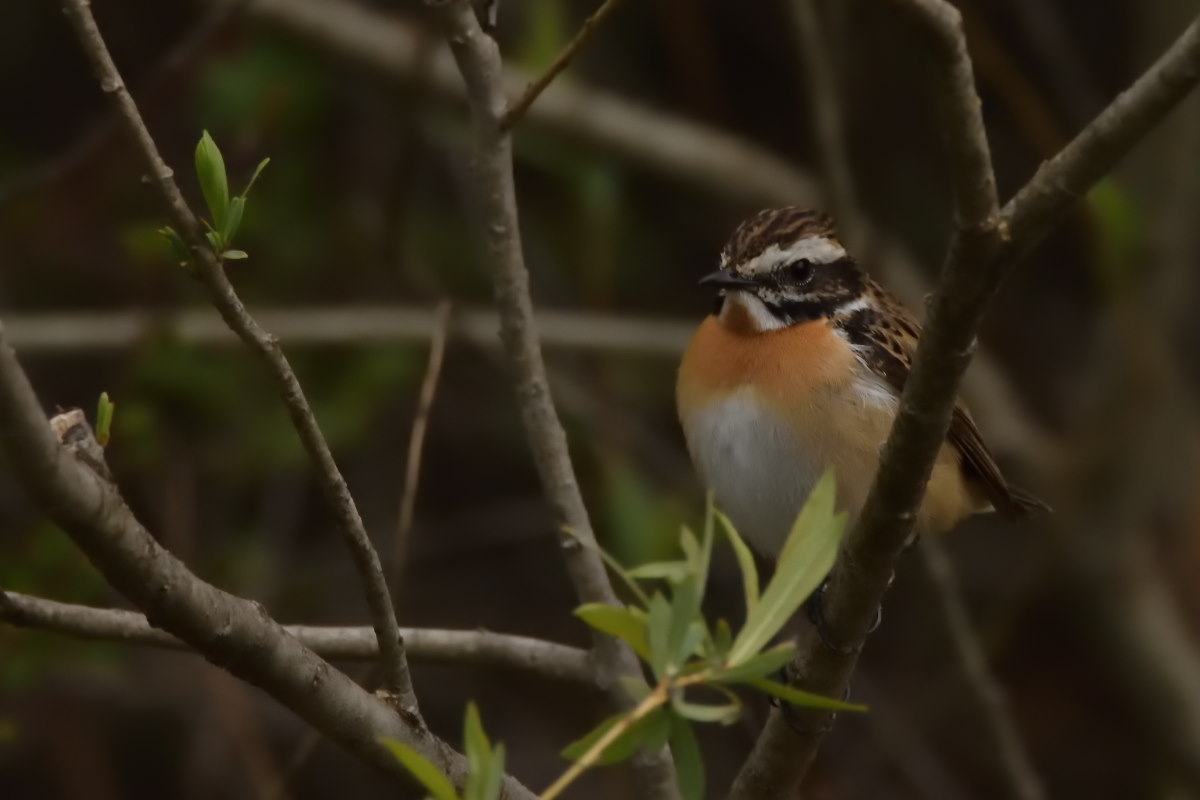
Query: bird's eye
x=801 y=271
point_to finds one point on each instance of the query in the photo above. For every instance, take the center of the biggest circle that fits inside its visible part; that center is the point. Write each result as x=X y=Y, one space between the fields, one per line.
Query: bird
x=799 y=369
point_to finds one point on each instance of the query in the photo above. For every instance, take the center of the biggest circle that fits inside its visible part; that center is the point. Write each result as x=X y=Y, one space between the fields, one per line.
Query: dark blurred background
x=1085 y=385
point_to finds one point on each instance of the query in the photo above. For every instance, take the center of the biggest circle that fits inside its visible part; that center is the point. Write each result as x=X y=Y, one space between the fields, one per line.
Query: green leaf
x=724 y=713
x=799 y=697
x=689 y=761
x=623 y=623
x=234 y=255
x=722 y=638
x=257 y=171
x=214 y=241
x=650 y=731
x=426 y=773
x=757 y=666
x=685 y=610
x=210 y=170
x=635 y=686
x=237 y=206
x=658 y=634
x=673 y=571
x=182 y=254
x=806 y=558
x=104 y=417
x=745 y=560
x=494 y=778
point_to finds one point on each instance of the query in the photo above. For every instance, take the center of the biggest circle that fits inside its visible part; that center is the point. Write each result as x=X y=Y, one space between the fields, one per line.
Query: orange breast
x=784 y=365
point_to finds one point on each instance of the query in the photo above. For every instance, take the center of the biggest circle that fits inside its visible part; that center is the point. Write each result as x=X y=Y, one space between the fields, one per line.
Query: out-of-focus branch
x=821 y=84
x=478 y=59
x=211 y=273
x=520 y=653
x=519 y=106
x=985 y=244
x=1003 y=739
x=86 y=331
x=229 y=631
x=416 y=440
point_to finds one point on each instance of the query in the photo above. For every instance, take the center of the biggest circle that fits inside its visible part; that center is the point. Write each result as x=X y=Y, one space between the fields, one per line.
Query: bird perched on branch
x=799 y=369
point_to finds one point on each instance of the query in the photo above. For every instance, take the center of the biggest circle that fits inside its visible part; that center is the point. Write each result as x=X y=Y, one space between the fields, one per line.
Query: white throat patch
x=752 y=307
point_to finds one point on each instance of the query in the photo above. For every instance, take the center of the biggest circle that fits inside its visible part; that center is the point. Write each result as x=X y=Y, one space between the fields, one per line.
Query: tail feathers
x=1021 y=503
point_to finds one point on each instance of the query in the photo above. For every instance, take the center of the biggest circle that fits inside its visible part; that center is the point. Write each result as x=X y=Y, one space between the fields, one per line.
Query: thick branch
x=974 y=266
x=231 y=632
x=478 y=59
x=531 y=656
x=211 y=273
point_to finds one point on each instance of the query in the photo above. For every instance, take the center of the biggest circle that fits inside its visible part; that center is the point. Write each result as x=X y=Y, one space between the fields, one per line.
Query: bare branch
x=519 y=653
x=979 y=254
x=517 y=108
x=478 y=58
x=233 y=633
x=211 y=274
x=1003 y=738
x=416 y=439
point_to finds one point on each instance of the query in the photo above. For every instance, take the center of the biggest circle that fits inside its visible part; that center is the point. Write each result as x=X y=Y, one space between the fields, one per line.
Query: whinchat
x=799 y=369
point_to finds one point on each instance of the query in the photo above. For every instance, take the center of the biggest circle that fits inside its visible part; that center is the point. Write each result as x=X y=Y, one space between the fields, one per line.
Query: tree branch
x=211 y=274
x=518 y=107
x=230 y=632
x=531 y=656
x=478 y=59
x=984 y=246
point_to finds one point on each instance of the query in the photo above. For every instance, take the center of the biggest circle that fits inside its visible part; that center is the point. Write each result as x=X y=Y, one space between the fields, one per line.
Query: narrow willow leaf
x=233 y=221
x=210 y=171
x=257 y=171
x=478 y=751
x=104 y=418
x=182 y=254
x=214 y=241
x=635 y=686
x=805 y=560
x=673 y=571
x=494 y=779
x=649 y=730
x=658 y=634
x=616 y=621
x=426 y=773
x=745 y=560
x=722 y=638
x=799 y=697
x=685 y=609
x=690 y=547
x=689 y=761
x=705 y=712
x=761 y=665
x=234 y=255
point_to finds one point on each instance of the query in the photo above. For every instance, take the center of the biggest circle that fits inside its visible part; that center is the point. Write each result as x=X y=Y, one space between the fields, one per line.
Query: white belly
x=758 y=472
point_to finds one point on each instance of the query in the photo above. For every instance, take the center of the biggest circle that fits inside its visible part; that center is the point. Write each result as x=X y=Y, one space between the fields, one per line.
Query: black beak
x=724 y=279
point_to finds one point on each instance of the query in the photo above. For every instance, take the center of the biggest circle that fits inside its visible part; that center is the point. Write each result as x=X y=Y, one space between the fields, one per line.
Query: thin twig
x=357 y=643
x=416 y=440
x=478 y=58
x=517 y=108
x=211 y=274
x=998 y=726
x=985 y=245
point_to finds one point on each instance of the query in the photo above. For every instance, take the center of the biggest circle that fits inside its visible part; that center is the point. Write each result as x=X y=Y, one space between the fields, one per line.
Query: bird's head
x=784 y=266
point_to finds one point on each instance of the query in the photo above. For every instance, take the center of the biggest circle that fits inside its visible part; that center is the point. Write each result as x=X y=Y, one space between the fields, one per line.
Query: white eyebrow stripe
x=857 y=304
x=817 y=249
